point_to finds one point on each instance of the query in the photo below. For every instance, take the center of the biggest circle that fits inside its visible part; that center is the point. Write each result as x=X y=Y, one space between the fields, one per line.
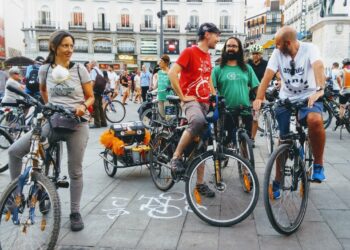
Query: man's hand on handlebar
x=257 y=104
x=80 y=110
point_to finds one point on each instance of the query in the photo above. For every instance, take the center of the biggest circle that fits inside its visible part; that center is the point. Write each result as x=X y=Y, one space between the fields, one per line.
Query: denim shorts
x=283 y=116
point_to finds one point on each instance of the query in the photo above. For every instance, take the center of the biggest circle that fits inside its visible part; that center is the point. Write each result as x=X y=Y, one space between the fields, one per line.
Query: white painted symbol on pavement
x=119 y=208
x=159 y=207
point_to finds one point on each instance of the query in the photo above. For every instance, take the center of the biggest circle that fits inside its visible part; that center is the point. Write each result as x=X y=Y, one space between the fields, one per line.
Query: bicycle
x=114 y=110
x=233 y=201
x=30 y=210
x=287 y=176
x=5 y=142
x=270 y=125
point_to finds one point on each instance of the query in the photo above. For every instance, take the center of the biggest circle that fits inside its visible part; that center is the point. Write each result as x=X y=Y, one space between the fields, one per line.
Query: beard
x=231 y=55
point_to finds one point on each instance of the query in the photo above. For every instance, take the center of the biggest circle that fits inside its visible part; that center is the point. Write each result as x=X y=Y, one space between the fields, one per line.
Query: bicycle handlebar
x=48 y=109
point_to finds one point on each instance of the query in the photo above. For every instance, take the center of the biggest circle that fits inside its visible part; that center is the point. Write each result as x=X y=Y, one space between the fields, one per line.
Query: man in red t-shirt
x=194 y=88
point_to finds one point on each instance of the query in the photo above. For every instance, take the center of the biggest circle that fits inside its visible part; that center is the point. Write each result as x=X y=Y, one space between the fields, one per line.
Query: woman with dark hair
x=68 y=84
x=234 y=79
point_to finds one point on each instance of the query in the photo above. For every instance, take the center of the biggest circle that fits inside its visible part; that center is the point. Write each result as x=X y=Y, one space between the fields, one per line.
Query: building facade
x=126 y=32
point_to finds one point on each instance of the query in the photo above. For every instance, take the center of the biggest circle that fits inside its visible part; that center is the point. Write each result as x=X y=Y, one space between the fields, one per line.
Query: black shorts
x=343 y=99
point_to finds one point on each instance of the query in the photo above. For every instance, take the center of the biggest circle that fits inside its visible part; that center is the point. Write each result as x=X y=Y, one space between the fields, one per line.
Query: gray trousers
x=76 y=145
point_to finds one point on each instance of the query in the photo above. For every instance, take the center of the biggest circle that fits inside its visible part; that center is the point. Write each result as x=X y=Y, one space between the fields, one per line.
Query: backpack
x=100 y=84
x=32 y=83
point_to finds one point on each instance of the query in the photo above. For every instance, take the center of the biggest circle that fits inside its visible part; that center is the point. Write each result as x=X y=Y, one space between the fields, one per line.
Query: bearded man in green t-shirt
x=233 y=79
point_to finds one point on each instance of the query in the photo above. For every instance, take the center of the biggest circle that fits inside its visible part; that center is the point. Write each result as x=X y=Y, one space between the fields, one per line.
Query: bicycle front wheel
x=5 y=142
x=230 y=204
x=114 y=111
x=30 y=218
x=246 y=148
x=268 y=132
x=285 y=190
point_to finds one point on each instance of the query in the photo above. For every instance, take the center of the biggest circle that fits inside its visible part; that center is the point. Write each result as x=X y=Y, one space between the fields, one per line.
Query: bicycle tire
x=347 y=119
x=110 y=156
x=268 y=133
x=146 y=118
x=248 y=145
x=225 y=209
x=116 y=108
x=50 y=230
x=327 y=116
x=4 y=145
x=161 y=175
x=275 y=217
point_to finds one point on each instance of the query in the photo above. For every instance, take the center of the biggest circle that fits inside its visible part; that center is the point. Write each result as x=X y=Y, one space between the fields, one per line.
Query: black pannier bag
x=130 y=132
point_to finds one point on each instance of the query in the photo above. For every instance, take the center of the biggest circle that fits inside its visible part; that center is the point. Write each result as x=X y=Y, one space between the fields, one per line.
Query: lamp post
x=160 y=15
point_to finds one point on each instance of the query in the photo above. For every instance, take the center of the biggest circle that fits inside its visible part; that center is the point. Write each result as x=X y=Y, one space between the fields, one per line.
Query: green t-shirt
x=163 y=83
x=234 y=84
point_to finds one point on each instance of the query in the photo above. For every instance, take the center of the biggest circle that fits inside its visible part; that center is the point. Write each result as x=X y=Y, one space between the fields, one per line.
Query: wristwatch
x=319 y=88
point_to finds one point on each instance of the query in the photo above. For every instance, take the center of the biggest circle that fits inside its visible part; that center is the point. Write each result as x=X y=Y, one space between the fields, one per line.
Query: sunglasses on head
x=292 y=65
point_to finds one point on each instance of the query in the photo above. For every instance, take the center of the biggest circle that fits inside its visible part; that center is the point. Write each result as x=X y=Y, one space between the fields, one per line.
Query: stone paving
x=128 y=211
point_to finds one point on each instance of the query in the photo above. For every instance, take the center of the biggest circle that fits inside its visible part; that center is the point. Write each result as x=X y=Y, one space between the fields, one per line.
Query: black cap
x=207 y=27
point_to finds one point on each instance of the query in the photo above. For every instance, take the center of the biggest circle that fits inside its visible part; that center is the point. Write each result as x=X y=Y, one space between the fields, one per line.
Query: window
x=43 y=45
x=77 y=17
x=81 y=45
x=190 y=43
x=103 y=46
x=126 y=46
x=125 y=18
x=148 y=19
x=194 y=20
x=44 y=15
x=149 y=46
x=171 y=46
x=171 y=21
x=224 y=20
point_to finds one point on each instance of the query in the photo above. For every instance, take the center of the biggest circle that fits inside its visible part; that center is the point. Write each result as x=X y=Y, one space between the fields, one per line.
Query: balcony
x=81 y=49
x=273 y=20
x=224 y=1
x=125 y=28
x=48 y=25
x=194 y=1
x=253 y=37
x=226 y=28
x=101 y=27
x=148 y=28
x=73 y=26
x=175 y=28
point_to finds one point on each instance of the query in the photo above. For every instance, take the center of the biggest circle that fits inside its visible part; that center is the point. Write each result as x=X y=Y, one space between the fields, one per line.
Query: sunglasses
x=292 y=65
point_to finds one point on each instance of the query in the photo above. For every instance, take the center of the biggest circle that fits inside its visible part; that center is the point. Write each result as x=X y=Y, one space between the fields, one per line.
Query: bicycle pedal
x=62 y=184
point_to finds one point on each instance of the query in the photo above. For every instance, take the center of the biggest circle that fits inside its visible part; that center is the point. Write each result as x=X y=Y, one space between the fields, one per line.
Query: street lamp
x=160 y=15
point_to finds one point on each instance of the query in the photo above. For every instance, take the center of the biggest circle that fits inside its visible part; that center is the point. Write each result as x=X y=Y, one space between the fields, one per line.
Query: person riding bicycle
x=67 y=84
x=343 y=79
x=302 y=72
x=234 y=79
x=194 y=88
x=259 y=66
x=32 y=78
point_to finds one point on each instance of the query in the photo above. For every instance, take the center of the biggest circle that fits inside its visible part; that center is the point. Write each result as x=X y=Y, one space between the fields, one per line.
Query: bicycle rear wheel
x=30 y=219
x=231 y=204
x=146 y=118
x=285 y=190
x=161 y=154
x=114 y=111
x=5 y=142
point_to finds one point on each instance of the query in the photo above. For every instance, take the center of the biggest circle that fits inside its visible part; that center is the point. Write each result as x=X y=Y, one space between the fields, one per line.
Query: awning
x=269 y=44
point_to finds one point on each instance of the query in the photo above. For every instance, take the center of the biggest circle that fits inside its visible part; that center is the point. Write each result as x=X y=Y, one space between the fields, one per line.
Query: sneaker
x=177 y=168
x=318 y=173
x=253 y=143
x=276 y=190
x=204 y=190
x=76 y=222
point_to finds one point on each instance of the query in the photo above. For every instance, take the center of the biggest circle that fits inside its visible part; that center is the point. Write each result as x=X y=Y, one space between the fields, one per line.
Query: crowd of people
x=296 y=64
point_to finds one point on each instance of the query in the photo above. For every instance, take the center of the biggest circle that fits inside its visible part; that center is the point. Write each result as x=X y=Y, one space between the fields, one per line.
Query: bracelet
x=86 y=107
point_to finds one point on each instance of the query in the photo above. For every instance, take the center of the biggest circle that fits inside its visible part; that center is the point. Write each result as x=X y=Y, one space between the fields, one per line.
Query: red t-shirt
x=195 y=74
